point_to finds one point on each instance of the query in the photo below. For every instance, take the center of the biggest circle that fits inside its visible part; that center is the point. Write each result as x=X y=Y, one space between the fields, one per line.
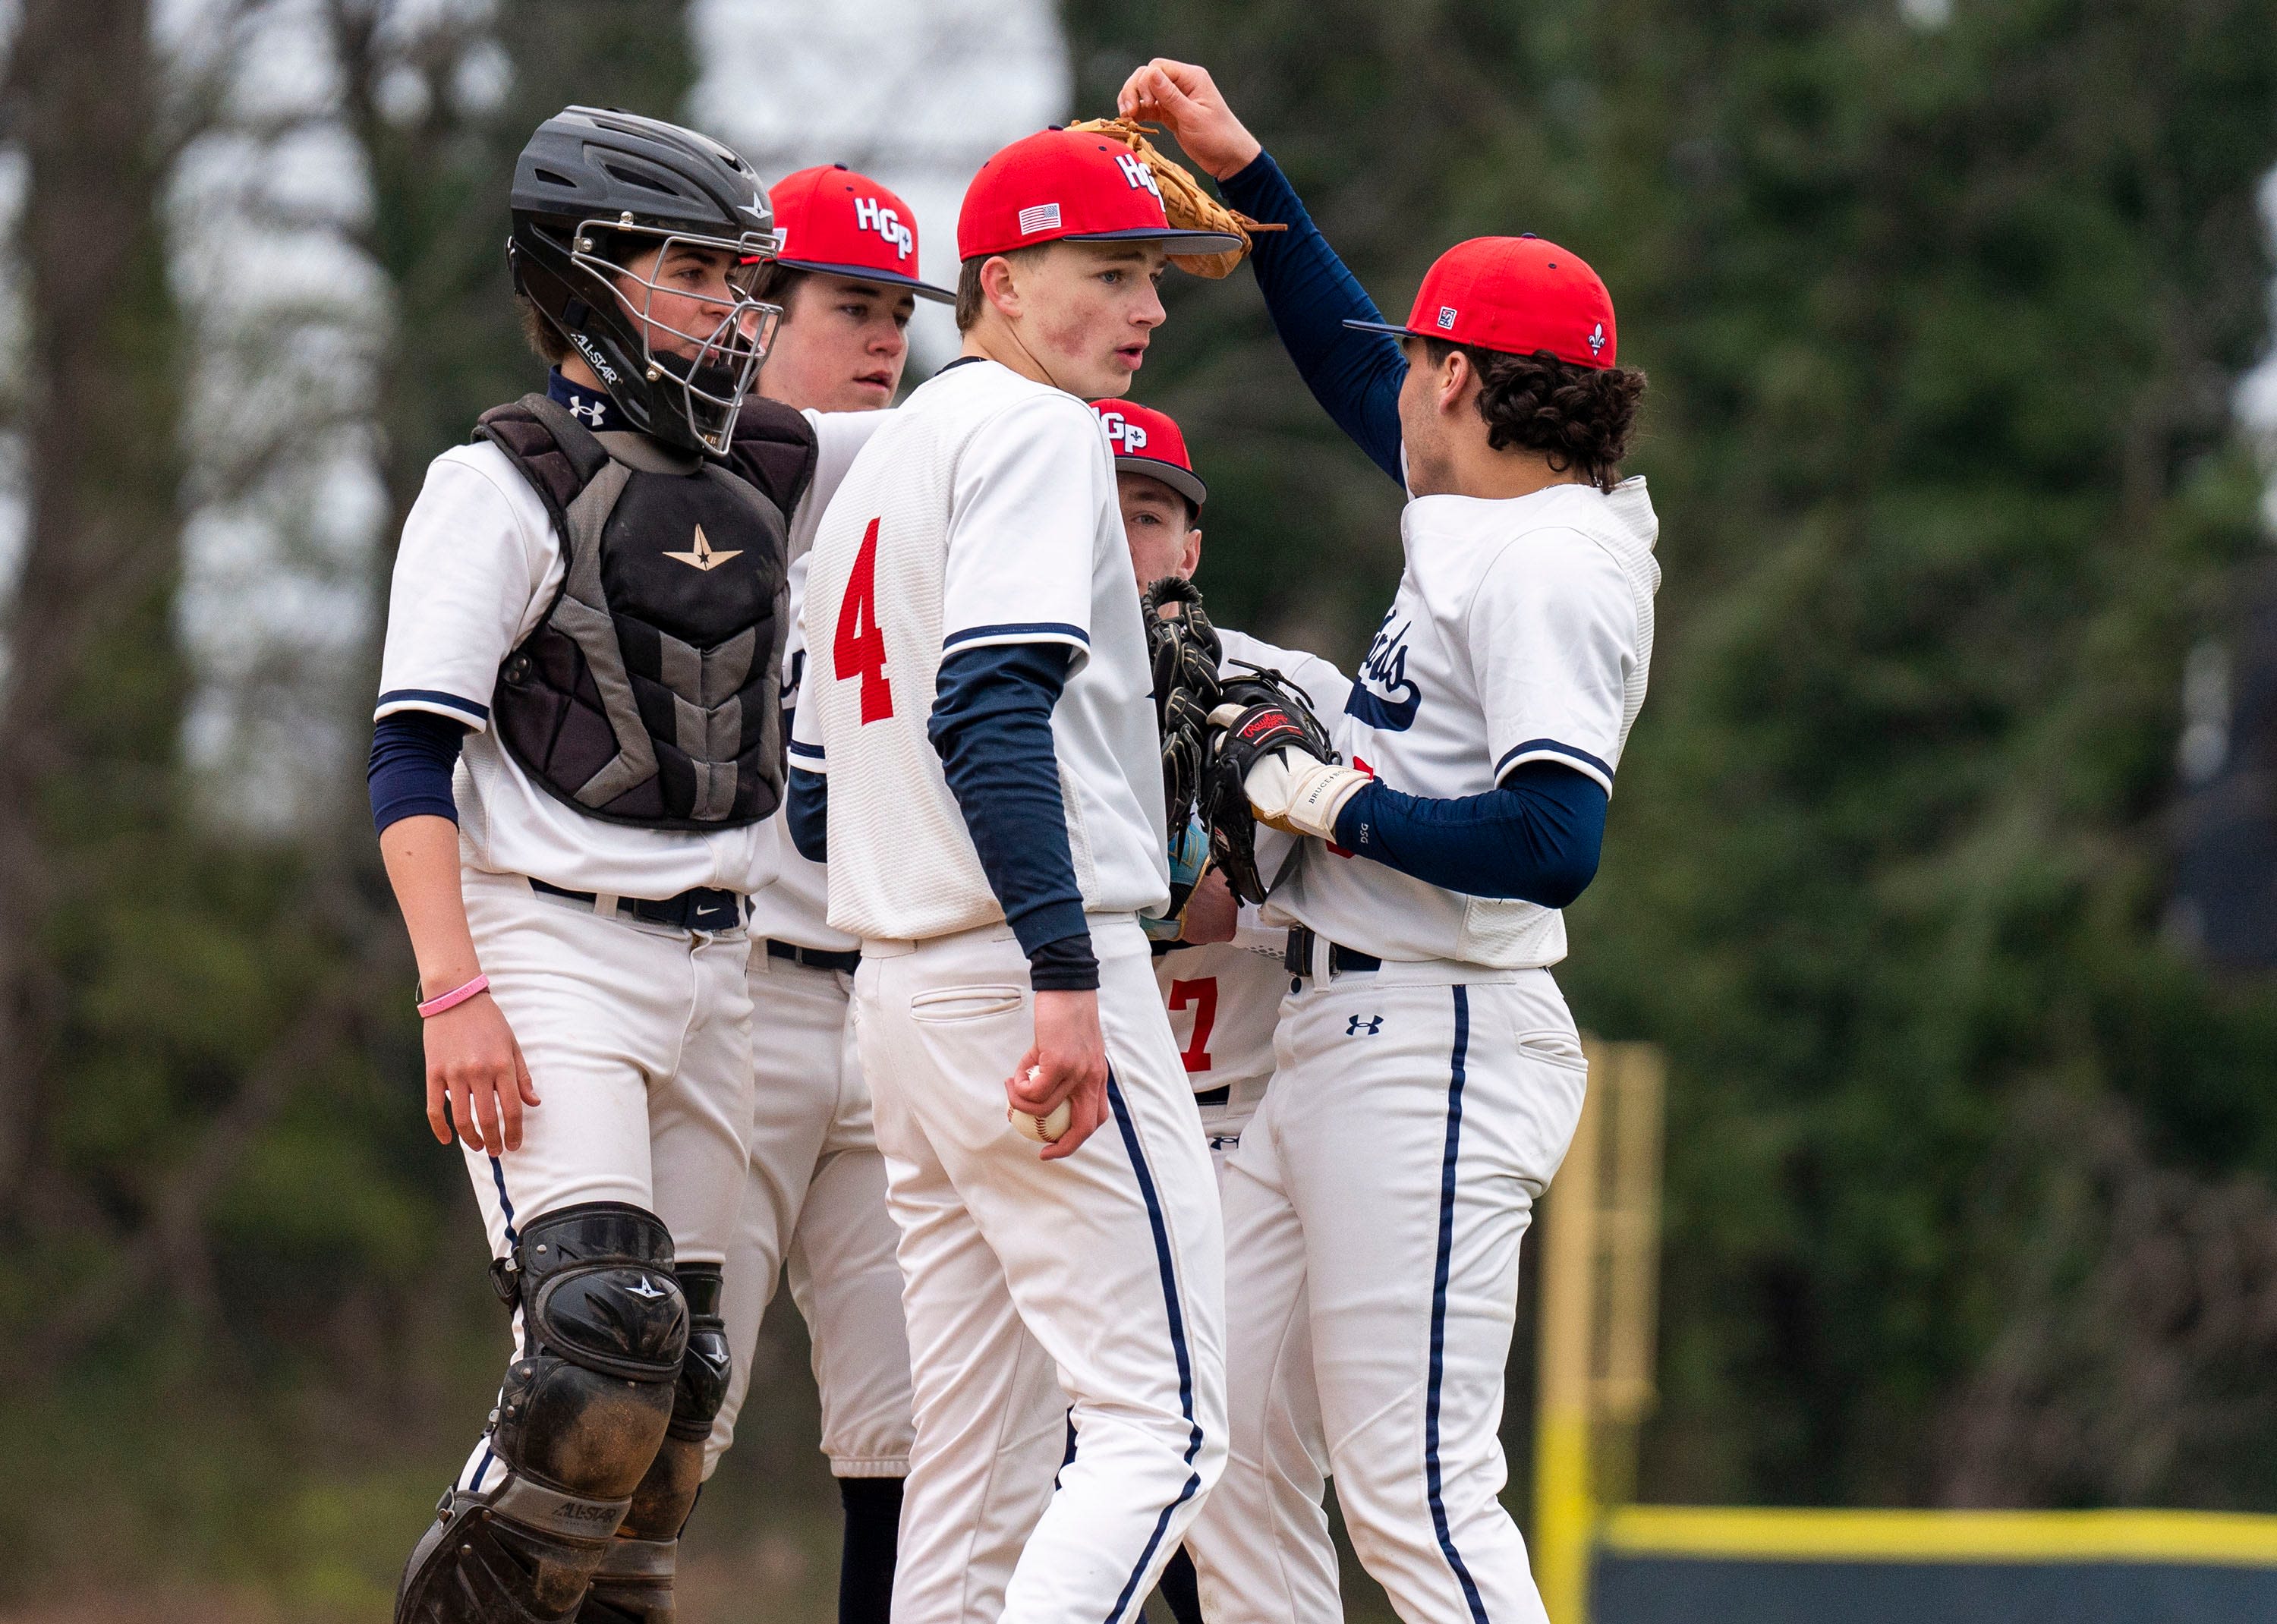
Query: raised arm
x=1308 y=291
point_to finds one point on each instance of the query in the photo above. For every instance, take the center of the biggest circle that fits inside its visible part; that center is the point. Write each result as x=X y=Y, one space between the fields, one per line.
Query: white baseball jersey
x=1522 y=631
x=478 y=567
x=983 y=512
x=794 y=906
x=1225 y=1000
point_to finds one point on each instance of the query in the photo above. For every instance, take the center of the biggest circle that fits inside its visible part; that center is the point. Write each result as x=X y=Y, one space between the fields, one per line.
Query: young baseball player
x=1438 y=1068
x=577 y=738
x=978 y=713
x=1222 y=979
x=846 y=280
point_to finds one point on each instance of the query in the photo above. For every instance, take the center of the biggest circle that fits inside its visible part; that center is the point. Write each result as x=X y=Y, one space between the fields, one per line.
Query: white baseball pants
x=816 y=1199
x=1106 y=1267
x=638 y=1038
x=1377 y=1202
x=1283 y=1434
x=1224 y=1122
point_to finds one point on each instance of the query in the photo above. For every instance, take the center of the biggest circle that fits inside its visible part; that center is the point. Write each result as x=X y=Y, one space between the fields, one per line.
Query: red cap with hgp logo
x=1514 y=295
x=1065 y=185
x=1148 y=441
x=843 y=223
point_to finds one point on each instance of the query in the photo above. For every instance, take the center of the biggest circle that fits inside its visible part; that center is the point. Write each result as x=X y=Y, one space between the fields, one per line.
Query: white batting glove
x=1298 y=795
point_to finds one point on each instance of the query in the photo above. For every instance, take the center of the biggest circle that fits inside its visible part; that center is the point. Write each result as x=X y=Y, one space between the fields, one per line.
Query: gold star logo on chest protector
x=704 y=557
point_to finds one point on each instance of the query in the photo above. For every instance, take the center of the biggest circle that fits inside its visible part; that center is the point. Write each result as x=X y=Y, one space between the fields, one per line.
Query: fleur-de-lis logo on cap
x=1597 y=340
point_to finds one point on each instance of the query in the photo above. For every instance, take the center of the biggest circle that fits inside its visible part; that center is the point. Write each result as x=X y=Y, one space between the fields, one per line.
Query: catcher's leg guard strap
x=582 y=1412
x=634 y=1583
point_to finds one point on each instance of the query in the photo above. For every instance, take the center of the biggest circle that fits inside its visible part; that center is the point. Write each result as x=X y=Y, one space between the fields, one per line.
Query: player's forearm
x=422 y=855
x=992 y=726
x=1310 y=295
x=1535 y=838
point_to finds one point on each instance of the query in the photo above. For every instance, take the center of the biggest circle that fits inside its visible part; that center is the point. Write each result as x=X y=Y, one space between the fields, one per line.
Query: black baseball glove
x=1184 y=648
x=1258 y=712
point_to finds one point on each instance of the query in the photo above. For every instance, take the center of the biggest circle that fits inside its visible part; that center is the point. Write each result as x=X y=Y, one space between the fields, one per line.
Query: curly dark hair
x=1582 y=417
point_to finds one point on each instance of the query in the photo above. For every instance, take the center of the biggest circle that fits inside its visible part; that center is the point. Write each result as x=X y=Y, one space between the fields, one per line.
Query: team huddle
x=838 y=844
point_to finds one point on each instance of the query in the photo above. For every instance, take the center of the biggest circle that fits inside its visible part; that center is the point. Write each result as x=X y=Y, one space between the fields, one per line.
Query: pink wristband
x=454 y=998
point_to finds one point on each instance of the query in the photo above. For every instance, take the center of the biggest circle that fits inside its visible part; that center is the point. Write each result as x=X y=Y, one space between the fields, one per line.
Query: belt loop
x=604 y=905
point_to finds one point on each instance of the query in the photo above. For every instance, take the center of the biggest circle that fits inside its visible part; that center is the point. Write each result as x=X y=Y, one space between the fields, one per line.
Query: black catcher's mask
x=607 y=205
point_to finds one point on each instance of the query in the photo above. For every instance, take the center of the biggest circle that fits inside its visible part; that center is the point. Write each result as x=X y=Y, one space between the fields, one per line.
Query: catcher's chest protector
x=650 y=693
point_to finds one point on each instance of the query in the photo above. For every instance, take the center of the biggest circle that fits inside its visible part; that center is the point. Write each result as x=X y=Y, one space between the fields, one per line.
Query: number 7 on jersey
x=857 y=648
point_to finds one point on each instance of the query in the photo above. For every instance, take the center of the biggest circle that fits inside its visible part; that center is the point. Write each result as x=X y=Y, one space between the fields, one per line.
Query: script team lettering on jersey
x=1385 y=696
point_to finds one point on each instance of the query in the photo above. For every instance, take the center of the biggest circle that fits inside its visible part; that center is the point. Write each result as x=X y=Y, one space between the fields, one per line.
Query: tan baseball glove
x=1189 y=206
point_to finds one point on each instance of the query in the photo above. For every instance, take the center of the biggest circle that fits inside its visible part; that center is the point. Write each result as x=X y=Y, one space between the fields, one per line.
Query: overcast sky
x=914 y=92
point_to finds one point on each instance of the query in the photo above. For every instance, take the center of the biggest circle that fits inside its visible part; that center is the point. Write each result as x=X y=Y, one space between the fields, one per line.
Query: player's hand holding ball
x=1185 y=100
x=1060 y=1085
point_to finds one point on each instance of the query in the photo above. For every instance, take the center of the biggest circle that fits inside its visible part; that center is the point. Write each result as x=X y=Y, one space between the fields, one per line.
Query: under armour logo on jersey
x=588 y=412
x=1446 y=318
x=642 y=1288
x=1385 y=696
x=1122 y=432
x=1363 y=1026
x=869 y=216
x=1135 y=170
x=703 y=556
x=1597 y=340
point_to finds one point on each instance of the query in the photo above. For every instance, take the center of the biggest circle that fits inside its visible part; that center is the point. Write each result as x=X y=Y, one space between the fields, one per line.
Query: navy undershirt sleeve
x=1535 y=836
x=806 y=808
x=1310 y=295
x=992 y=726
x=409 y=775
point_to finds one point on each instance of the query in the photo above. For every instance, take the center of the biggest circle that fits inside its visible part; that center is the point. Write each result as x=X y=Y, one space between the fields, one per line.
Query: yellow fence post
x=1563 y=1510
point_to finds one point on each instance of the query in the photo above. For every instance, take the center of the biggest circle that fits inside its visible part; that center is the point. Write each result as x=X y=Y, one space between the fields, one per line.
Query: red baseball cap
x=843 y=223
x=1514 y=295
x=1065 y=185
x=1148 y=441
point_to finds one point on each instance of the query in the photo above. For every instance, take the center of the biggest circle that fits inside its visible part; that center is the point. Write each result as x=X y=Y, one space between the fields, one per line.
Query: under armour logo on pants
x=1359 y=1024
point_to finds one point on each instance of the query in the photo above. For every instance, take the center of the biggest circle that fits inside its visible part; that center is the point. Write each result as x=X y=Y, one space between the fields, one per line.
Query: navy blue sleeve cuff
x=413 y=754
x=1066 y=964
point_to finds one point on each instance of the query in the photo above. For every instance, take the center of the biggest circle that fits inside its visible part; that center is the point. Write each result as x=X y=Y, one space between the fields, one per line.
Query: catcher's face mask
x=703 y=332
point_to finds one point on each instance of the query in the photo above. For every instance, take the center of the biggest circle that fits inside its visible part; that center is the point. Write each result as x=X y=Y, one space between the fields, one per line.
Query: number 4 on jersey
x=858 y=646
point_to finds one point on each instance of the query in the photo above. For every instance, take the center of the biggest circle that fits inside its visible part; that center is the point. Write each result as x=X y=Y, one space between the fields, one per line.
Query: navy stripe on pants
x=1129 y=1130
x=1439 y=1303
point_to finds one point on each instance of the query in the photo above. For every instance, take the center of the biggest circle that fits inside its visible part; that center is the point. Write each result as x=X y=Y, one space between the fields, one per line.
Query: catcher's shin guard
x=604 y=1333
x=634 y=1582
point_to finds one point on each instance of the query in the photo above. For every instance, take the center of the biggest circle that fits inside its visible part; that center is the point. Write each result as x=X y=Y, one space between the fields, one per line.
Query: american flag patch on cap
x=1038 y=217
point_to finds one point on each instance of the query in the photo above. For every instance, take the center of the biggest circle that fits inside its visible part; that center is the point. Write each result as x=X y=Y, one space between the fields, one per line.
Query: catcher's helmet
x=595 y=188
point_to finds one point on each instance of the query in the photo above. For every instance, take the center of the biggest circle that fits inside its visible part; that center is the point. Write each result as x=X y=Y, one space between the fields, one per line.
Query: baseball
x=1045 y=1129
